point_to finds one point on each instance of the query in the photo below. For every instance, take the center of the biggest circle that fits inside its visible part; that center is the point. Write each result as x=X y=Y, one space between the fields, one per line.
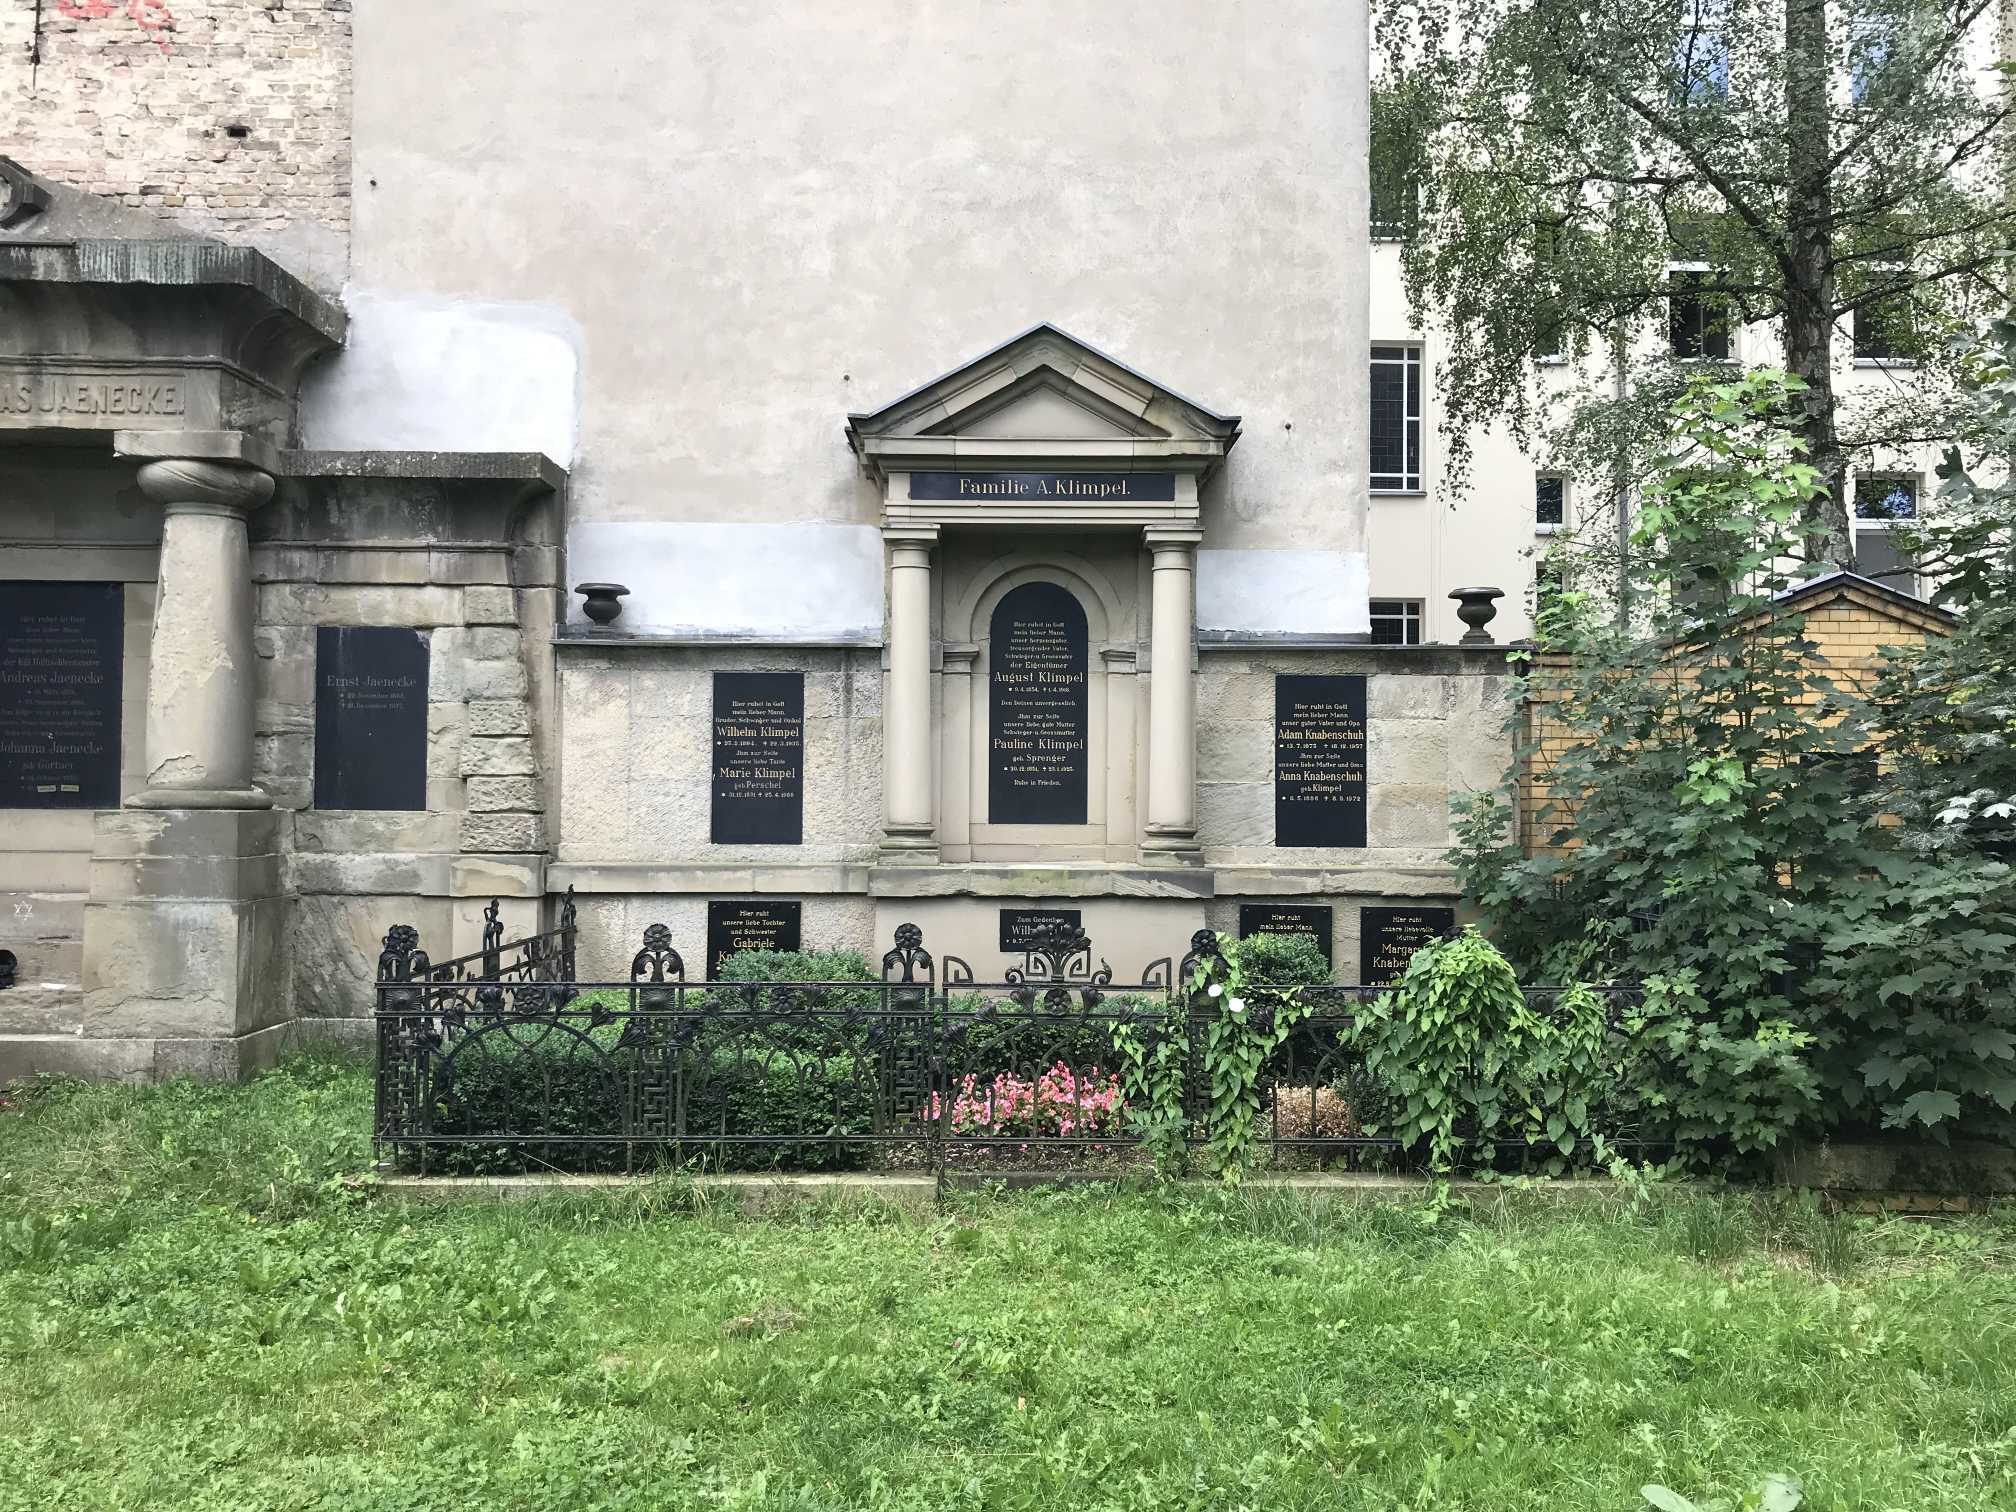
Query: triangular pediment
x=1045 y=385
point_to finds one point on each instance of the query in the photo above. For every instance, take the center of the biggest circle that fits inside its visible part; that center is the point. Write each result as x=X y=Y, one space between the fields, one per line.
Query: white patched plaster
x=805 y=581
x=1283 y=592
x=447 y=375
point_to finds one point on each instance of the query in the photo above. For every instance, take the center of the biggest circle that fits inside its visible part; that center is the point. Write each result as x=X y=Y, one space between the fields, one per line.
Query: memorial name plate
x=62 y=658
x=759 y=758
x=370 y=718
x=1038 y=708
x=1319 y=761
x=1024 y=927
x=89 y=397
x=1047 y=488
x=1388 y=938
x=766 y=925
x=1315 y=921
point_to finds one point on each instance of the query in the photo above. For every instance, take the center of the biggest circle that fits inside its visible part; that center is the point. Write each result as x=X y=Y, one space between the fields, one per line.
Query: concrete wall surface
x=761 y=217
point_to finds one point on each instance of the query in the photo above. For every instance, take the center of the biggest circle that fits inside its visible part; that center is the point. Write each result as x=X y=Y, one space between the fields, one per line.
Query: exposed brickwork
x=1850 y=627
x=136 y=100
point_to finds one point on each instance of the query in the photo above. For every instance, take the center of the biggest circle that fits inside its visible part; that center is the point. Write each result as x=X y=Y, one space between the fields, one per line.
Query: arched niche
x=1094 y=810
x=1039 y=707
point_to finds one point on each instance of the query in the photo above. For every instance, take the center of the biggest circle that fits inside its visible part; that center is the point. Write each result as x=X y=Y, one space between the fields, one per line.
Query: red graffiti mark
x=149 y=15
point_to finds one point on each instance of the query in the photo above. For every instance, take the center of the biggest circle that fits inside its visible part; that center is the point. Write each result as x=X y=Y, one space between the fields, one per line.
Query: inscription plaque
x=1319 y=761
x=1388 y=938
x=759 y=758
x=1313 y=920
x=1038 y=707
x=1022 y=927
x=1085 y=488
x=62 y=657
x=736 y=926
x=370 y=718
x=90 y=397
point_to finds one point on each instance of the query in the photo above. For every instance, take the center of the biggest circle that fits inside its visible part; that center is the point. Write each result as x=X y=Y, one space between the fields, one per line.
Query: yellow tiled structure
x=1849 y=618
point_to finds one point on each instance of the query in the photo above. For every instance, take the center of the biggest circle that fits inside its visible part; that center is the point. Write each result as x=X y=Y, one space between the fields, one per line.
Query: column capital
x=959 y=656
x=190 y=485
x=1172 y=545
x=910 y=535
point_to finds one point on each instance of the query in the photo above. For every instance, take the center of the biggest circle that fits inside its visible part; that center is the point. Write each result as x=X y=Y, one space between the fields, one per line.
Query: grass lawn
x=197 y=1311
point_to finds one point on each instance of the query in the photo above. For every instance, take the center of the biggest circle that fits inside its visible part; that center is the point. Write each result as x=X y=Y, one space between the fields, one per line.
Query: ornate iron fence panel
x=503 y=1060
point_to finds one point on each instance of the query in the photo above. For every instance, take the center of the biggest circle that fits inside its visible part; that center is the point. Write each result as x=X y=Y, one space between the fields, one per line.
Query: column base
x=187 y=930
x=909 y=845
x=200 y=798
x=1166 y=846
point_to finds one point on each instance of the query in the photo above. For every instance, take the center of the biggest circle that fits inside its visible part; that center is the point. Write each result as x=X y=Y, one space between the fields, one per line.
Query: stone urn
x=602 y=602
x=1477 y=607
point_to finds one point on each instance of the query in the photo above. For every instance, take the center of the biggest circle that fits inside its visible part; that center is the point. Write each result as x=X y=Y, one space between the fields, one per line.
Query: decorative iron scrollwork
x=907 y=956
x=1060 y=957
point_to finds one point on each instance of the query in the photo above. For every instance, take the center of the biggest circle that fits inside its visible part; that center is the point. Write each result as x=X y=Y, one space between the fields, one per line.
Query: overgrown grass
x=200 y=1307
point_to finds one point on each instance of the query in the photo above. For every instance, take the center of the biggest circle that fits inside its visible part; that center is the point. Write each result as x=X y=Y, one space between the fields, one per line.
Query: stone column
x=199 y=674
x=955 y=752
x=907 y=830
x=1171 y=831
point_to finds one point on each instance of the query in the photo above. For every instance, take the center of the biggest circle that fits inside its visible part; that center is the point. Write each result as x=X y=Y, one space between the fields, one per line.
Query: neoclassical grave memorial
x=259 y=704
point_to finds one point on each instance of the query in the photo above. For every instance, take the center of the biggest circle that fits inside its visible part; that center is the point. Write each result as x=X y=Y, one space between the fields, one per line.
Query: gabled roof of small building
x=1045 y=361
x=1878 y=598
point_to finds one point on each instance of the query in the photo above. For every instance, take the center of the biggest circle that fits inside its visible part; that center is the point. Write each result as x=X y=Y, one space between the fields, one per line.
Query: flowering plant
x=1059 y=1102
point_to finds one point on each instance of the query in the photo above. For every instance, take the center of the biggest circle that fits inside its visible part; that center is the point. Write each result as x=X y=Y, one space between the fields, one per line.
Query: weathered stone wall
x=1435 y=727
x=638 y=756
x=230 y=116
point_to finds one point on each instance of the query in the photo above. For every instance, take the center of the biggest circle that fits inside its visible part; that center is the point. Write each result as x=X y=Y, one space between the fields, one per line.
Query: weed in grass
x=1710 y=1228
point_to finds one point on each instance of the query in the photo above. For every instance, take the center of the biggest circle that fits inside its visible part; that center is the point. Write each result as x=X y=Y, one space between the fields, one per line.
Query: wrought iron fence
x=503 y=1059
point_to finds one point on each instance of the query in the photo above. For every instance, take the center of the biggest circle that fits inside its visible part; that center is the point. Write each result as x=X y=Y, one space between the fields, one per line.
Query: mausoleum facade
x=290 y=567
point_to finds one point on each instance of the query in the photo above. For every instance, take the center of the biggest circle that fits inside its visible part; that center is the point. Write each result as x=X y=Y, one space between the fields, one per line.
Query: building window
x=1871 y=41
x=1882 y=502
x=1883 y=329
x=1395 y=173
x=1396 y=622
x=1396 y=419
x=1701 y=55
x=1700 y=320
x=1550 y=502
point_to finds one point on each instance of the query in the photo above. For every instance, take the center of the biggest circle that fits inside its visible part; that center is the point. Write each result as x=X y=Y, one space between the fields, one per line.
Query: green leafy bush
x=1468 y=1063
x=1279 y=960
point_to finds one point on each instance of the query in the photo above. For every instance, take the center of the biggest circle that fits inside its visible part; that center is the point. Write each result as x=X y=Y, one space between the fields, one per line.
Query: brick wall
x=232 y=116
x=1849 y=626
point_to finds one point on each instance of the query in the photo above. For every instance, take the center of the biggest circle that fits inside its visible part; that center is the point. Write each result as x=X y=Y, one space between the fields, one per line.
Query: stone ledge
x=1308 y=882
x=24 y=1056
x=727 y=877
x=957 y=881
x=1969 y=1168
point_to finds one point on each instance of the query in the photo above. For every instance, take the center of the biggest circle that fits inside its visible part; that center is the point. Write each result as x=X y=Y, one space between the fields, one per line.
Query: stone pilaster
x=908 y=829
x=1170 y=834
x=200 y=665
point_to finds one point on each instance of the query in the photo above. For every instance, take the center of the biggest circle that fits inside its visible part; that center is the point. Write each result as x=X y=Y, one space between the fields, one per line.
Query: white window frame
x=1541 y=527
x=1729 y=333
x=1412 y=612
x=1881 y=479
x=1410 y=483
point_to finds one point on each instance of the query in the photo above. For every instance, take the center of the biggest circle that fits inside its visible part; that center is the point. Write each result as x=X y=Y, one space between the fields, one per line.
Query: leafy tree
x=1818 y=163
x=1698 y=816
x=1947 y=708
x=1807 y=961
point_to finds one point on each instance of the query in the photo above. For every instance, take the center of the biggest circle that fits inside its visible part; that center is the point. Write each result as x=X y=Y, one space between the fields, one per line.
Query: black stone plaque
x=1023 y=927
x=1311 y=919
x=759 y=758
x=1038 y=708
x=1048 y=488
x=1319 y=761
x=370 y=718
x=765 y=925
x=62 y=657
x=1388 y=938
